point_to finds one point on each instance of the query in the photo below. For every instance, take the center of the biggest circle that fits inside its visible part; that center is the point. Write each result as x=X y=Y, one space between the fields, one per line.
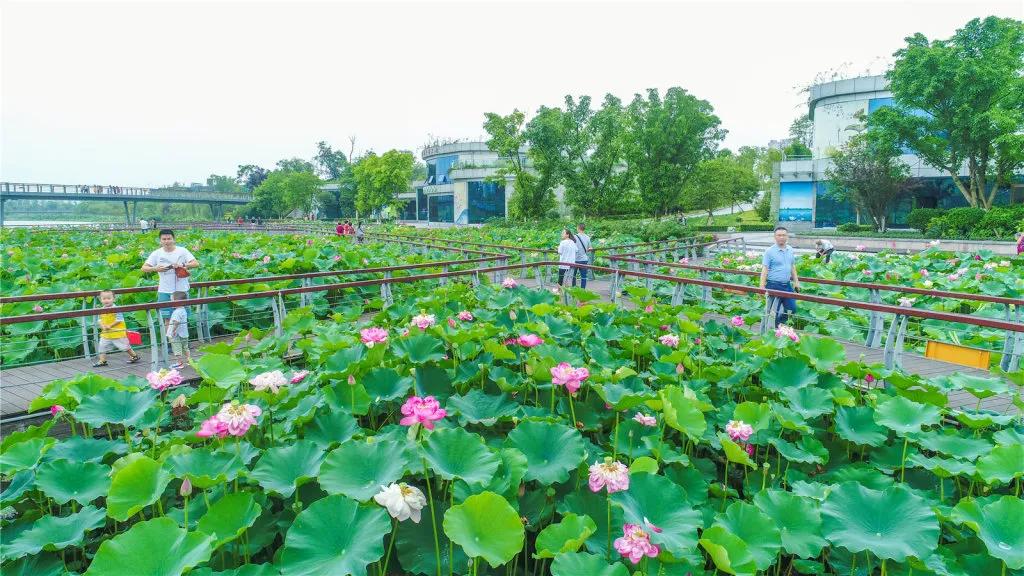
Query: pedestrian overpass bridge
x=128 y=195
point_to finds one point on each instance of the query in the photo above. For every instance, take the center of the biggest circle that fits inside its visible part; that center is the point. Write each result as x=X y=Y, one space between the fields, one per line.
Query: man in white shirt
x=824 y=248
x=166 y=261
x=144 y=224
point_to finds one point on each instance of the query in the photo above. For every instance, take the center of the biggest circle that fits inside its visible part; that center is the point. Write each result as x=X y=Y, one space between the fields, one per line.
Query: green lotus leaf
x=952 y=444
x=331 y=427
x=221 y=369
x=155 y=547
x=734 y=453
x=682 y=413
x=551 y=450
x=1007 y=436
x=17 y=436
x=807 y=449
x=456 y=453
x=566 y=535
x=906 y=416
x=21 y=482
x=823 y=352
x=487 y=527
x=998 y=524
x=334 y=535
x=978 y=420
x=980 y=387
x=383 y=384
x=625 y=394
x=757 y=530
x=53 y=533
x=64 y=480
x=112 y=406
x=728 y=551
x=788 y=372
x=25 y=454
x=892 y=524
x=587 y=503
x=415 y=545
x=81 y=449
x=789 y=419
x=759 y=416
x=45 y=564
x=134 y=486
x=798 y=521
x=646 y=498
x=244 y=570
x=857 y=424
x=809 y=401
x=420 y=348
x=282 y=469
x=578 y=564
x=1002 y=464
x=205 y=467
x=941 y=467
x=358 y=469
x=228 y=517
x=477 y=407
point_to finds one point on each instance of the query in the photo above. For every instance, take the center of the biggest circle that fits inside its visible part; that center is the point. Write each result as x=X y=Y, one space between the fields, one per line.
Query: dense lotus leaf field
x=493 y=430
x=70 y=261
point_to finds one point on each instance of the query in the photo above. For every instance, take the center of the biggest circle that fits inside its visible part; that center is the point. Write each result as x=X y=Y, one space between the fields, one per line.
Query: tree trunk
x=971 y=200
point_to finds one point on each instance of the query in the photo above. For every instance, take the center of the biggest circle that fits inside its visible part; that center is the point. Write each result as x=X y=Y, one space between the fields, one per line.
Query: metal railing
x=85 y=192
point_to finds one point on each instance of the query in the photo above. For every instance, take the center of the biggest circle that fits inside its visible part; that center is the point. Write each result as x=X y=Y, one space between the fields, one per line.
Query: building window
x=438 y=169
x=796 y=201
x=409 y=210
x=442 y=208
x=486 y=201
x=421 y=205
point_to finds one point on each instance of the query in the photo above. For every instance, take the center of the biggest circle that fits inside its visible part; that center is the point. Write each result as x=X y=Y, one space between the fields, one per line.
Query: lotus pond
x=492 y=430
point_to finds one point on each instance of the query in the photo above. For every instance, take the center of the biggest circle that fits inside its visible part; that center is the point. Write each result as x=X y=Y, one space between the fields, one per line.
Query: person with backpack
x=584 y=251
x=566 y=254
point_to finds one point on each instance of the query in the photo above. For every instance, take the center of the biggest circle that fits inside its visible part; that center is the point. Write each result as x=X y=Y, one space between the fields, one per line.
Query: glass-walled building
x=460 y=187
x=837 y=110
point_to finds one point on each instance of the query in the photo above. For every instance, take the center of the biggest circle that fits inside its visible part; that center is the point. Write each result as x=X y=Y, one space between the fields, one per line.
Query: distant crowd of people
x=345 y=229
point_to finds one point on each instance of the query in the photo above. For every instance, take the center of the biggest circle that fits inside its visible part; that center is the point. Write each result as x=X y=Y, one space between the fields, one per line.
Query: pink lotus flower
x=869 y=378
x=272 y=381
x=979 y=276
x=726 y=261
x=510 y=341
x=867 y=273
x=337 y=257
x=186 y=488
x=609 y=474
x=236 y=255
x=422 y=411
x=466 y=316
x=565 y=375
x=212 y=426
x=739 y=430
x=509 y=282
x=738 y=322
x=663 y=327
x=650 y=526
x=163 y=379
x=750 y=450
x=266 y=259
x=37 y=308
x=696 y=341
x=649 y=308
x=860 y=247
x=237 y=417
x=977 y=256
x=56 y=409
x=670 y=340
x=529 y=340
x=299 y=376
x=645 y=420
x=684 y=260
x=451 y=322
x=423 y=321
x=787 y=332
x=924 y=273
x=635 y=544
x=953 y=277
x=309 y=242
x=680 y=369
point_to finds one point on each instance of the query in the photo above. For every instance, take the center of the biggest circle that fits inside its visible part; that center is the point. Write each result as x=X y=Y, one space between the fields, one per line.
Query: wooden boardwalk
x=20 y=385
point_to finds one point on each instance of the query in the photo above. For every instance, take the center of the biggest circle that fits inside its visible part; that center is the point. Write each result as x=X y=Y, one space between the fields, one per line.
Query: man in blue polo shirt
x=778 y=272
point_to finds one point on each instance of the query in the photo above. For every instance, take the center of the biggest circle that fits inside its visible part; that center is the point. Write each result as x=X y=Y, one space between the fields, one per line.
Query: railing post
x=385 y=290
x=615 y=281
x=876 y=324
x=1013 y=345
x=539 y=275
x=154 y=349
x=523 y=272
x=771 y=309
x=85 y=330
x=204 y=292
x=476 y=278
x=197 y=312
x=277 y=308
x=893 y=352
x=705 y=296
x=677 y=294
x=444 y=279
x=649 y=268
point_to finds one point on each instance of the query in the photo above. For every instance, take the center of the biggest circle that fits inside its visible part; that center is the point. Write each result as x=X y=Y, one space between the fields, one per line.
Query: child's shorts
x=109 y=344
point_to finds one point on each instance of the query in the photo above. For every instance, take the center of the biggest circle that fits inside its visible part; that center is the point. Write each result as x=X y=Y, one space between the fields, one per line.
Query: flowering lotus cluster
x=372 y=336
x=670 y=340
x=738 y=322
x=609 y=474
x=466 y=316
x=402 y=501
x=422 y=411
x=635 y=544
x=529 y=340
x=509 y=282
x=272 y=381
x=645 y=420
x=423 y=320
x=299 y=376
x=787 y=332
x=164 y=379
x=566 y=375
x=739 y=431
x=234 y=419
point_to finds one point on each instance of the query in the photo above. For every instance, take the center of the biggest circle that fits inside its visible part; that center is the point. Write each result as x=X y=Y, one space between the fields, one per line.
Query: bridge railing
x=85 y=191
x=277 y=297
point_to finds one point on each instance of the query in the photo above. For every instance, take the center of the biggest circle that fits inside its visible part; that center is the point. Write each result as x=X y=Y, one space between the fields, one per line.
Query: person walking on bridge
x=172 y=263
x=144 y=225
x=566 y=254
x=778 y=272
x=584 y=249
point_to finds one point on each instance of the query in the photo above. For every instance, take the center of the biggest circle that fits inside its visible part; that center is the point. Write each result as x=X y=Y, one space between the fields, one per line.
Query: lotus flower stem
x=903 y=462
x=391 y=544
x=433 y=519
x=572 y=411
x=725 y=483
x=615 y=442
x=608 y=499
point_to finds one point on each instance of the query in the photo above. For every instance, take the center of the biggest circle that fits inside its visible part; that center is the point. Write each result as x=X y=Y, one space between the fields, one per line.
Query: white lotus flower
x=402 y=501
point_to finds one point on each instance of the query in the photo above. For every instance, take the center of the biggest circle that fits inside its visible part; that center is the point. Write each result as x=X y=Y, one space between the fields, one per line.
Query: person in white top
x=566 y=254
x=172 y=263
x=824 y=248
x=144 y=224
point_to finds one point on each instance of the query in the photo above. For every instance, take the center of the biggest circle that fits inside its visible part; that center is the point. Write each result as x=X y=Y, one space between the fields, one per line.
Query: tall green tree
x=667 y=138
x=960 y=104
x=283 y=192
x=721 y=181
x=595 y=173
x=868 y=172
x=330 y=164
x=295 y=165
x=250 y=176
x=533 y=193
x=379 y=179
x=223 y=183
x=801 y=130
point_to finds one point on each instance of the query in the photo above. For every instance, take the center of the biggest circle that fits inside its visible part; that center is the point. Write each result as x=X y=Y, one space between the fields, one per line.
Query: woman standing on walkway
x=566 y=254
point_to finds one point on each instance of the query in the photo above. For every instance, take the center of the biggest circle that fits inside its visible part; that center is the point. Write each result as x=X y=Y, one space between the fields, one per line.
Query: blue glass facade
x=486 y=201
x=409 y=210
x=441 y=208
x=421 y=205
x=438 y=169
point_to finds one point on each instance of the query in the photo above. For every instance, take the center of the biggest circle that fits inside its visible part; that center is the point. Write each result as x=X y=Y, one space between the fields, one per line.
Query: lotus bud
x=351 y=380
x=186 y=488
x=179 y=401
x=512 y=315
x=680 y=369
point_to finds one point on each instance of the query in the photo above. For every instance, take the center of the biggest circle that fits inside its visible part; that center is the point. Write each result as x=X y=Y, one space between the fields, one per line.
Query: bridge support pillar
x=2 y=201
x=127 y=214
x=135 y=213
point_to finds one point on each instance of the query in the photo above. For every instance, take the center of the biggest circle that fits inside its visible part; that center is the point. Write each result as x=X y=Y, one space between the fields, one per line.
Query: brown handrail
x=887 y=308
x=844 y=283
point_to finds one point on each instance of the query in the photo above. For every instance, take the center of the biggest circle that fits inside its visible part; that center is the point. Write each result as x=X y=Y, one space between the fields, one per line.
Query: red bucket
x=134 y=338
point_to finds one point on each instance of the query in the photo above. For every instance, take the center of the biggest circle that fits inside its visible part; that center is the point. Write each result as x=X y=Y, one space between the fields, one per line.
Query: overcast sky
x=147 y=93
